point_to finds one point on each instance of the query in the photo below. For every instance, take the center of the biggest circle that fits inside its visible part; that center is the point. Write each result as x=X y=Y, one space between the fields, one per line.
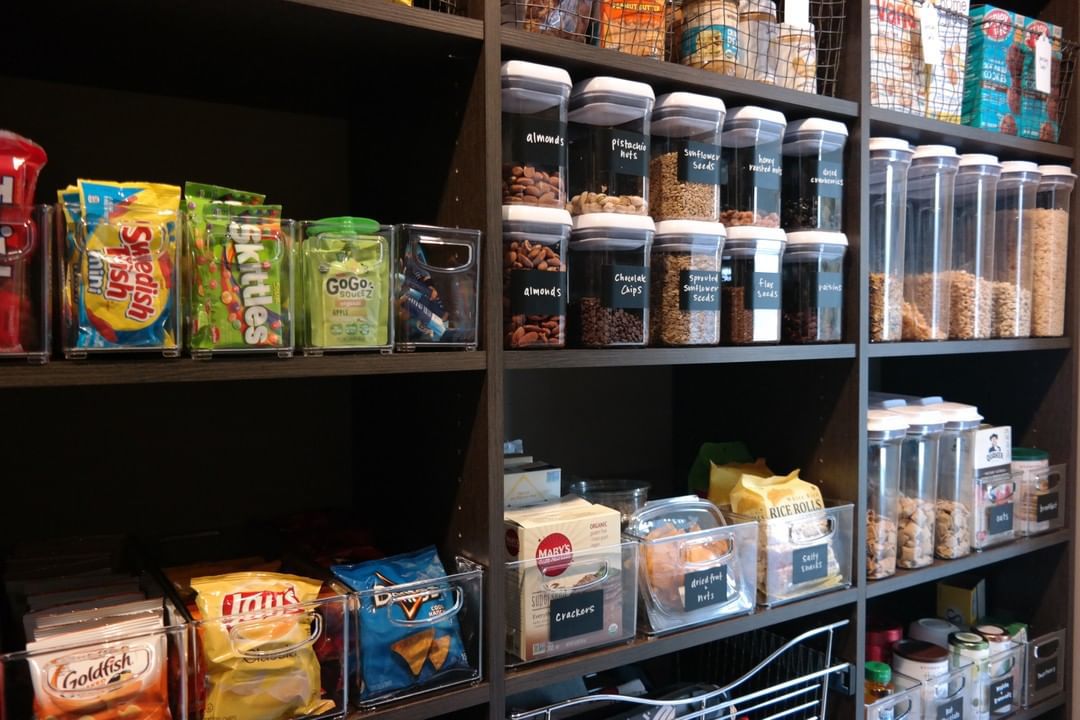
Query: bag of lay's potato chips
x=259 y=663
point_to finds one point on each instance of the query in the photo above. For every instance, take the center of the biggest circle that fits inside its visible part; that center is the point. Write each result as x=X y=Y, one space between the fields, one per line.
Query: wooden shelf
x=1036 y=711
x=429 y=705
x=551 y=359
x=966 y=347
x=945 y=568
x=392 y=15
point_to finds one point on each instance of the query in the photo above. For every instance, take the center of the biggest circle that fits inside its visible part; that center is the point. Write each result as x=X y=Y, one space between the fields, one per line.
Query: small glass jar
x=685 y=293
x=928 y=242
x=878 y=683
x=609 y=146
x=921 y=660
x=751 y=286
x=534 y=106
x=890 y=160
x=968 y=648
x=885 y=436
x=956 y=480
x=609 y=280
x=684 y=170
x=535 y=288
x=1030 y=467
x=918 y=486
x=971 y=286
x=814 y=287
x=1050 y=251
x=1013 y=245
x=752 y=142
x=813 y=179
x=707 y=35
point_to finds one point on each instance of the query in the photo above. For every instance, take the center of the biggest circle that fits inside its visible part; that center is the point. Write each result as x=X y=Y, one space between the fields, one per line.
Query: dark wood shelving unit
x=540 y=360
x=425 y=706
x=966 y=347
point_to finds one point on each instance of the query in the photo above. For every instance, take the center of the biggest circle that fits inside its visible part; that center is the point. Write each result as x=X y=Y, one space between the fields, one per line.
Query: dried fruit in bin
x=20 y=162
x=666 y=562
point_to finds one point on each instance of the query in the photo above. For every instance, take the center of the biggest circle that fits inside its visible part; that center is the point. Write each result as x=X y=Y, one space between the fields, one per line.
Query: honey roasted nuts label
x=766 y=167
x=699 y=163
x=625 y=287
x=538 y=142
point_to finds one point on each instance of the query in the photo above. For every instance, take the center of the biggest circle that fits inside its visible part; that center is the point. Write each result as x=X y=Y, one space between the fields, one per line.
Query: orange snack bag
x=635 y=27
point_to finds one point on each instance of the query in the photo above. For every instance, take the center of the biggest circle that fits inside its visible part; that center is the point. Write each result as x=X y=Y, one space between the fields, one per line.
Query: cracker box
x=530 y=484
x=995 y=65
x=897 y=73
x=946 y=93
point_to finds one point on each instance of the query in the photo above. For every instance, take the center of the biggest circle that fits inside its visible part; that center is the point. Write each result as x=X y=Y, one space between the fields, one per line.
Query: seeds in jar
x=674 y=199
x=916 y=533
x=591 y=202
x=886 y=307
x=1050 y=247
x=526 y=185
x=528 y=330
x=671 y=274
x=952 y=529
x=599 y=326
x=880 y=546
x=1012 y=318
x=971 y=300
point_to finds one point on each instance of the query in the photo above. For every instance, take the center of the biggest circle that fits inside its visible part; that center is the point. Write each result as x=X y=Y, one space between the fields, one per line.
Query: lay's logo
x=243 y=603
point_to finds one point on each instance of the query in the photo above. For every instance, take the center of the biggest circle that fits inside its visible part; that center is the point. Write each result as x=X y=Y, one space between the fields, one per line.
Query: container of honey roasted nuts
x=534 y=106
x=752 y=141
x=535 y=288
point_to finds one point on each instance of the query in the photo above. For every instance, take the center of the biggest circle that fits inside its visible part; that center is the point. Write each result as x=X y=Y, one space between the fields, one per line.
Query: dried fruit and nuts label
x=952 y=710
x=625 y=286
x=1001 y=695
x=1046 y=673
x=1046 y=507
x=999 y=519
x=764 y=291
x=628 y=153
x=699 y=290
x=829 y=180
x=766 y=167
x=576 y=614
x=830 y=290
x=537 y=292
x=699 y=163
x=809 y=563
x=705 y=588
x=537 y=141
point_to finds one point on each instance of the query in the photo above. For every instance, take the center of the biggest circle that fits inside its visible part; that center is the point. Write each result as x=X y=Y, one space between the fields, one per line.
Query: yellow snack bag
x=775 y=497
x=260 y=664
x=724 y=477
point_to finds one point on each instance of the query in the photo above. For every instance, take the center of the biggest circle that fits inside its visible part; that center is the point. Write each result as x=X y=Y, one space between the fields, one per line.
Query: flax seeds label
x=764 y=291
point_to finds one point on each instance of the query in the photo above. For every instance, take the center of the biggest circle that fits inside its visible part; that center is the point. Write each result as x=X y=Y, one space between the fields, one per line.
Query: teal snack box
x=993 y=78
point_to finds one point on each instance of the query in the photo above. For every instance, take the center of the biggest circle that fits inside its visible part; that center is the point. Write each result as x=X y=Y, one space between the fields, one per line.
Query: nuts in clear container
x=534 y=110
x=535 y=288
x=751 y=148
x=881 y=537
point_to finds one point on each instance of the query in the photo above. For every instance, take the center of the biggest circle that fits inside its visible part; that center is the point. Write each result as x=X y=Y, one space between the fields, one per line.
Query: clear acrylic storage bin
x=995 y=511
x=437 y=288
x=1045 y=667
x=905 y=702
x=1004 y=678
x=803 y=555
x=25 y=282
x=1042 y=498
x=461 y=594
x=570 y=603
x=950 y=696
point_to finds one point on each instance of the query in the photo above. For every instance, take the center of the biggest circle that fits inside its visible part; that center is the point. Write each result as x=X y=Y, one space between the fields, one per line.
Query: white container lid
x=753 y=112
x=918 y=416
x=689 y=100
x=817 y=125
x=533 y=214
x=690 y=227
x=889 y=143
x=755 y=232
x=957 y=412
x=934 y=151
x=817 y=237
x=613 y=86
x=1057 y=171
x=970 y=159
x=534 y=71
x=622 y=221
x=1018 y=166
x=884 y=421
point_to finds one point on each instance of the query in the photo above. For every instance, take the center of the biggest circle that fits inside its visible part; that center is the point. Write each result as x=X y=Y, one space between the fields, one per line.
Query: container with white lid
x=534 y=106
x=971 y=281
x=814 y=287
x=813 y=179
x=1051 y=250
x=885 y=433
x=609 y=146
x=1041 y=490
x=535 y=288
x=890 y=161
x=609 y=280
x=921 y=660
x=918 y=485
x=752 y=148
x=685 y=294
x=751 y=285
x=1013 y=249
x=684 y=171
x=932 y=630
x=956 y=480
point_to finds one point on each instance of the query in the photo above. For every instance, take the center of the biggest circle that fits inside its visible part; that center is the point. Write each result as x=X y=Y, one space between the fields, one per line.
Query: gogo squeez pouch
x=407 y=636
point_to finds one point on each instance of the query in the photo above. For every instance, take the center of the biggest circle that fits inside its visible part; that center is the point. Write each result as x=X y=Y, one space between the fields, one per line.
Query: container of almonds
x=535 y=290
x=685 y=293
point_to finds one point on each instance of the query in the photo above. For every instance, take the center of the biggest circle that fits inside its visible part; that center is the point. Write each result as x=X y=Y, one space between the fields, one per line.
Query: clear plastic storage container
x=437 y=287
x=918 y=485
x=890 y=161
x=1042 y=491
x=1050 y=251
x=1013 y=249
x=609 y=146
x=1045 y=667
x=885 y=435
x=904 y=702
x=996 y=488
x=950 y=695
x=684 y=170
x=973 y=651
x=752 y=145
x=609 y=280
x=971 y=292
x=685 y=293
x=813 y=287
x=813 y=179
x=534 y=107
x=1005 y=682
x=26 y=282
x=956 y=480
x=535 y=288
x=928 y=242
x=751 y=285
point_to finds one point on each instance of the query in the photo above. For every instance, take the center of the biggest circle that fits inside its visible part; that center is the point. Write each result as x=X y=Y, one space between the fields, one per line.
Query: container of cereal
x=684 y=171
x=609 y=280
x=1051 y=250
x=750 y=282
x=685 y=293
x=890 y=161
x=752 y=143
x=885 y=433
x=971 y=281
x=535 y=288
x=1013 y=249
x=813 y=179
x=1041 y=489
x=918 y=485
x=956 y=480
x=928 y=242
x=813 y=289
x=609 y=146
x=534 y=107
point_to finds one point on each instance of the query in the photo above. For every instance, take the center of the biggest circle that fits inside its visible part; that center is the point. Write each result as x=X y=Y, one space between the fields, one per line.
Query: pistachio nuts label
x=628 y=153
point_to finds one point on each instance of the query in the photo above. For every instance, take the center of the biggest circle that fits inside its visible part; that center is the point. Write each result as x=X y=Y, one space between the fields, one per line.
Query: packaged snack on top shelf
x=897 y=72
x=758 y=34
x=635 y=27
x=1040 y=116
x=796 y=58
x=561 y=18
x=945 y=98
x=995 y=66
x=708 y=36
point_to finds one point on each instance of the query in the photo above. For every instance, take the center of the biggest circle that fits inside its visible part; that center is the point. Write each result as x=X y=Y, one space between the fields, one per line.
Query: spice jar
x=813 y=179
x=971 y=280
x=965 y=648
x=609 y=280
x=758 y=36
x=685 y=294
x=956 y=480
x=878 y=682
x=885 y=435
x=752 y=142
x=708 y=35
x=1013 y=245
x=750 y=282
x=920 y=660
x=684 y=171
x=814 y=287
x=881 y=634
x=1050 y=240
x=534 y=101
x=918 y=485
x=534 y=276
x=609 y=146
x=928 y=242
x=796 y=58
x=890 y=160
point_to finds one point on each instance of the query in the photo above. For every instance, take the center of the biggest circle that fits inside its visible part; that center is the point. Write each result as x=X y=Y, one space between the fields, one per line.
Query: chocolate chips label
x=952 y=710
x=699 y=163
x=1046 y=507
x=809 y=563
x=628 y=153
x=539 y=142
x=999 y=519
x=1001 y=695
x=699 y=290
x=764 y=291
x=1046 y=674
x=626 y=287
x=829 y=180
x=705 y=588
x=537 y=292
x=830 y=290
x=576 y=614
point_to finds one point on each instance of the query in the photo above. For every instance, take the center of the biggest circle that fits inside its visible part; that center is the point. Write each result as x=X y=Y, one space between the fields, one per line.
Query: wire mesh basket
x=450 y=7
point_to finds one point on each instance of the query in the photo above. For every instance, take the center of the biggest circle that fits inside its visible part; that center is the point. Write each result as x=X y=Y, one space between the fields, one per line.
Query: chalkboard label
x=699 y=163
x=952 y=710
x=538 y=142
x=626 y=287
x=537 y=292
x=810 y=563
x=830 y=290
x=829 y=180
x=766 y=167
x=629 y=153
x=705 y=588
x=699 y=290
x=764 y=292
x=1001 y=695
x=999 y=519
x=576 y=614
x=1046 y=507
x=1046 y=674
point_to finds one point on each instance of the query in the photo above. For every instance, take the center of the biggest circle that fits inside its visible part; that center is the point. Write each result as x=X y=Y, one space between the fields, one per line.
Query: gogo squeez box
x=544 y=615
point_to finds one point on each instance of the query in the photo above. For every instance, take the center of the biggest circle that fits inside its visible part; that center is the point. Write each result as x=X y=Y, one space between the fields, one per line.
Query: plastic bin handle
x=701 y=564
x=830 y=524
x=82 y=231
x=1051 y=646
x=439 y=269
x=420 y=595
x=901 y=714
x=235 y=637
x=601 y=577
x=10 y=257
